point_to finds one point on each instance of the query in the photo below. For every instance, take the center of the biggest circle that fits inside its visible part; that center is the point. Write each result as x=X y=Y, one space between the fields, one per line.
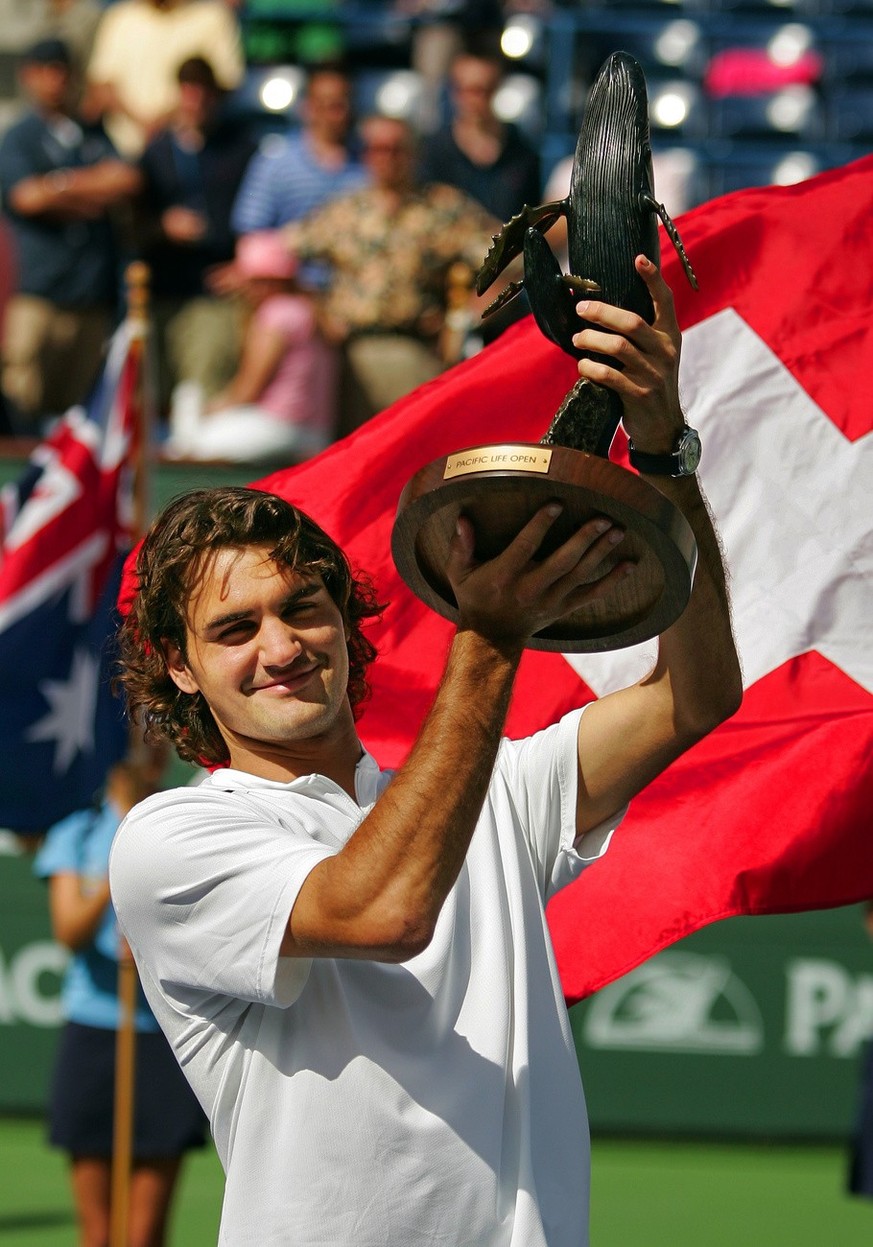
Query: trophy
x=612 y=216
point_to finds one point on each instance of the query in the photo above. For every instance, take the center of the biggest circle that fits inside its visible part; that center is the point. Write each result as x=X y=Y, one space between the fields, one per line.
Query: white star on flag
x=70 y=720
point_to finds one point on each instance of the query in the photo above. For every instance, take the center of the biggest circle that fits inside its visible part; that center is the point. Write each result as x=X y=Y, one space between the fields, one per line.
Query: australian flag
x=65 y=528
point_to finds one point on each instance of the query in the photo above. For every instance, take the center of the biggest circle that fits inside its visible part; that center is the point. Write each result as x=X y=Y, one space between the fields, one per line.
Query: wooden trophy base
x=500 y=487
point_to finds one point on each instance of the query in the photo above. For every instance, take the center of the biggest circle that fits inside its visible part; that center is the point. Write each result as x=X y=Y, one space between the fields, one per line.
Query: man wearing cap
x=61 y=178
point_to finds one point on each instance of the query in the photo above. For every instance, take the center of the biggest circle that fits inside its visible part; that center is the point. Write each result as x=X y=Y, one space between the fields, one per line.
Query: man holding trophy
x=354 y=967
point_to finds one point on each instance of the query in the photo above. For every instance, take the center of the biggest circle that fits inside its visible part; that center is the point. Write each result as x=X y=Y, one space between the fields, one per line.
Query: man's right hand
x=511 y=597
x=183 y=225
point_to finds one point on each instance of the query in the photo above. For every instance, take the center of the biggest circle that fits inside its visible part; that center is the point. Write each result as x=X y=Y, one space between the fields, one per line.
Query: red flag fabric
x=772 y=812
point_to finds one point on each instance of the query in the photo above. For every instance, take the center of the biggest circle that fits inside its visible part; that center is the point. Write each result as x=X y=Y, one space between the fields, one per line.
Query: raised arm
x=628 y=737
x=380 y=896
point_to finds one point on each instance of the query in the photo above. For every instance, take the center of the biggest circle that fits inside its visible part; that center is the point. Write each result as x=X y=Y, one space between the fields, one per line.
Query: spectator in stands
x=485 y=157
x=191 y=172
x=438 y=33
x=390 y=247
x=168 y=1121
x=292 y=176
x=280 y=404
x=137 y=51
x=60 y=180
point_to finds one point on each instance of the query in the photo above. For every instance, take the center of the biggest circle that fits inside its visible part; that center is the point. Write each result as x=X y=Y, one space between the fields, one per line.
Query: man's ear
x=177 y=668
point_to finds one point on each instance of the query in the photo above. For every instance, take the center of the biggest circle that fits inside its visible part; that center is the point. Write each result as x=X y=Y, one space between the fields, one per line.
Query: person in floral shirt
x=390 y=246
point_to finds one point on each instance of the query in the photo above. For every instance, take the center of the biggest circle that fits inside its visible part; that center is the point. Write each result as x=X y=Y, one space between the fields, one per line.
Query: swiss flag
x=772 y=812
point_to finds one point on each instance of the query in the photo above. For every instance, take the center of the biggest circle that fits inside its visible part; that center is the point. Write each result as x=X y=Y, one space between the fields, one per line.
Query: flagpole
x=137 y=278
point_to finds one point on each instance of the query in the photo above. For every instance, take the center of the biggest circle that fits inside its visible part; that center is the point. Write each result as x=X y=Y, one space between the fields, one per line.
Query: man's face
x=48 y=85
x=198 y=104
x=267 y=649
x=388 y=153
x=328 y=107
x=474 y=84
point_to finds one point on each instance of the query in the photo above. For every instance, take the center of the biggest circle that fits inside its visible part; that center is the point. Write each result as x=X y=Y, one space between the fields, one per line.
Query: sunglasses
x=386 y=148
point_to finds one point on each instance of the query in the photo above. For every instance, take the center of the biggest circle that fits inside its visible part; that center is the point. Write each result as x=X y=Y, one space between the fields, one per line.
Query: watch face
x=688 y=452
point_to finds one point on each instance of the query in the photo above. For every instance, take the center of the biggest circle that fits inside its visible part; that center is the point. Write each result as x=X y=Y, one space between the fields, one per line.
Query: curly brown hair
x=169 y=561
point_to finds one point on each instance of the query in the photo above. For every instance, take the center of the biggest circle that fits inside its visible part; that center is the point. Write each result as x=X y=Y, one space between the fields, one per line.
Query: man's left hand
x=647 y=356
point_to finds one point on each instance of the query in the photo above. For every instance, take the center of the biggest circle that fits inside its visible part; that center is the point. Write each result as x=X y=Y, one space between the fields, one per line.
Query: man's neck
x=481 y=141
x=54 y=116
x=392 y=198
x=334 y=755
x=189 y=135
x=330 y=152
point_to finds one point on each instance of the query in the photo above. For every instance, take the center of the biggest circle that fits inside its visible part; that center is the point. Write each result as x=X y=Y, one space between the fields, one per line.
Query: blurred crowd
x=299 y=282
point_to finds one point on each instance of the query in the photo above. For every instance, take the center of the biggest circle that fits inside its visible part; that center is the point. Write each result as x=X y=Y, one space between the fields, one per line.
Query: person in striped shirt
x=290 y=177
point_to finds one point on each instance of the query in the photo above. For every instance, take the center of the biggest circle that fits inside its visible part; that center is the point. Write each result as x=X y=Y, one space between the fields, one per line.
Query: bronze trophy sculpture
x=612 y=216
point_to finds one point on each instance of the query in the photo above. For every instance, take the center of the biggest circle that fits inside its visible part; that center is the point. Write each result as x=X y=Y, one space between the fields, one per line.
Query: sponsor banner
x=754 y=1027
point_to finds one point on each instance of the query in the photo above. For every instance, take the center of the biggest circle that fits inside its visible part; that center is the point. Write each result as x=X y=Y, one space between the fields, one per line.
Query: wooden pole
x=137 y=279
x=125 y=1070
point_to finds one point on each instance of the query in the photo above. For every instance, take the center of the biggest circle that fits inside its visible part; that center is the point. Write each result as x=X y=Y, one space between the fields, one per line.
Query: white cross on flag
x=772 y=812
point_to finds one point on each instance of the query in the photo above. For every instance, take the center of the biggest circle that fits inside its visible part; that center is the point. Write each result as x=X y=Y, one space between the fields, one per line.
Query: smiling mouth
x=292 y=681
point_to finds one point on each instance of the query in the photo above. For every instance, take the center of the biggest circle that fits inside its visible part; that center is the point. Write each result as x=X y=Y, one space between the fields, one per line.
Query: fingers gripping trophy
x=495 y=490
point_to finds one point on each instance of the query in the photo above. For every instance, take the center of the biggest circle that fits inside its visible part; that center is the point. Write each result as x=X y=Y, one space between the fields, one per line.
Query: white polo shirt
x=356 y=1103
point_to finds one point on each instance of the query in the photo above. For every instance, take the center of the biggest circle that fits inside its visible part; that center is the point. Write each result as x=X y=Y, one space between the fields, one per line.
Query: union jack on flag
x=65 y=528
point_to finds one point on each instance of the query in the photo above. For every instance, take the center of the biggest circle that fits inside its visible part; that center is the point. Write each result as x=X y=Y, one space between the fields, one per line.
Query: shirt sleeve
x=61 y=851
x=254 y=206
x=543 y=773
x=107 y=49
x=16 y=163
x=291 y=316
x=468 y=226
x=203 y=884
x=225 y=48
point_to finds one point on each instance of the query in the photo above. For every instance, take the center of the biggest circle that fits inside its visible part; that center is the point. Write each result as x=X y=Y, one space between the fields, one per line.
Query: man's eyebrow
x=307 y=590
x=220 y=621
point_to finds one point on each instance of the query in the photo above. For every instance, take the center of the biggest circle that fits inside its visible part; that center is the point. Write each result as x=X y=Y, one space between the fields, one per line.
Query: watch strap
x=681 y=461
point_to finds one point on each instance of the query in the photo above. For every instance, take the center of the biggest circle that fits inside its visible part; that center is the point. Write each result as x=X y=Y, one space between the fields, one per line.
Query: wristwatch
x=682 y=460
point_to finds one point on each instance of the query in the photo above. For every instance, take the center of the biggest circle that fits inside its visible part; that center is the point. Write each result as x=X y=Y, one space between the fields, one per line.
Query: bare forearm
x=76 y=914
x=698 y=653
x=261 y=356
x=628 y=738
x=384 y=891
x=75 y=193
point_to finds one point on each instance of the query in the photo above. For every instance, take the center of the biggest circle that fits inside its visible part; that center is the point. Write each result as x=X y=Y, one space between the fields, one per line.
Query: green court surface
x=644 y=1195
